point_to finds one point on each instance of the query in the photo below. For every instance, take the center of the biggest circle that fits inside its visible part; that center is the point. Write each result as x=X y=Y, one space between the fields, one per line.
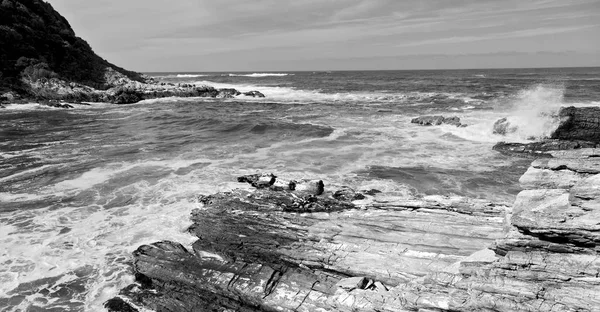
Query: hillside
x=37 y=42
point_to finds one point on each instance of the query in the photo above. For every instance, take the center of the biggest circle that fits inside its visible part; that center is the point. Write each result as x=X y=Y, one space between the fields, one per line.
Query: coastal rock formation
x=41 y=60
x=540 y=149
x=37 y=42
x=579 y=127
x=307 y=248
x=437 y=120
x=578 y=123
x=283 y=250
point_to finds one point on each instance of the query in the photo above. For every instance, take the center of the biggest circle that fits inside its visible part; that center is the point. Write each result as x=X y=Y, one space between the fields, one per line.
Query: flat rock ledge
x=297 y=246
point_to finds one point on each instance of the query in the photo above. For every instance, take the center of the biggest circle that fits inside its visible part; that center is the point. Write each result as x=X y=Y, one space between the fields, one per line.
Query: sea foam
x=259 y=75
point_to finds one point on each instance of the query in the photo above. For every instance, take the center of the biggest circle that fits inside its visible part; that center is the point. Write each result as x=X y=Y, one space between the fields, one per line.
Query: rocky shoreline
x=121 y=90
x=302 y=246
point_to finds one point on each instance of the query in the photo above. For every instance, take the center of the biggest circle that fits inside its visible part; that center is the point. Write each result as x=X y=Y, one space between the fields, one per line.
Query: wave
x=181 y=76
x=531 y=114
x=298 y=96
x=189 y=75
x=259 y=75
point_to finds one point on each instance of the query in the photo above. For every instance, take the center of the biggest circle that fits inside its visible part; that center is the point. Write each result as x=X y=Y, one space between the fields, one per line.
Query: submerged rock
x=437 y=120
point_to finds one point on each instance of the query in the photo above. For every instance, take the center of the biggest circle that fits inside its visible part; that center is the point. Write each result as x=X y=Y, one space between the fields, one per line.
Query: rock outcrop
x=37 y=42
x=275 y=249
x=540 y=149
x=41 y=60
x=437 y=120
x=579 y=127
x=302 y=248
x=578 y=123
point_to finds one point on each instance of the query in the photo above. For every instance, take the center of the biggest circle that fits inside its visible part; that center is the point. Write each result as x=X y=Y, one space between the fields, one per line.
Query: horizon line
x=354 y=70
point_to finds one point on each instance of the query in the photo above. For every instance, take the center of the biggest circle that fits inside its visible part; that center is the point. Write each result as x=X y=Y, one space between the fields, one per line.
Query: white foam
x=28 y=106
x=260 y=75
x=293 y=95
x=27 y=172
x=189 y=75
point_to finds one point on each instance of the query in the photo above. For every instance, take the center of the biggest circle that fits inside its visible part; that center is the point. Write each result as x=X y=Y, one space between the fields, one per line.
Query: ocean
x=80 y=189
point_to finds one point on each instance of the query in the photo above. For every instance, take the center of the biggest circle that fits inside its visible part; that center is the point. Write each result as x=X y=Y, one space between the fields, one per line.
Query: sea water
x=80 y=189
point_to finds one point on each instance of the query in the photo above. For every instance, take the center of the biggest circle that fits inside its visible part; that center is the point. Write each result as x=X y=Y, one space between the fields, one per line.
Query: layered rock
x=283 y=247
x=277 y=249
x=578 y=123
x=540 y=149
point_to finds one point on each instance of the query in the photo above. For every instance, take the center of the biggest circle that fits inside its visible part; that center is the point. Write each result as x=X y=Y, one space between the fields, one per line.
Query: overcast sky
x=278 y=35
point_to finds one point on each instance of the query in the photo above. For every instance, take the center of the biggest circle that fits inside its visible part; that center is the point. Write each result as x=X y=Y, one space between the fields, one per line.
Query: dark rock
x=455 y=121
x=254 y=94
x=502 y=126
x=540 y=149
x=228 y=93
x=436 y=121
x=126 y=96
x=259 y=180
x=371 y=192
x=36 y=42
x=578 y=123
x=118 y=305
x=348 y=194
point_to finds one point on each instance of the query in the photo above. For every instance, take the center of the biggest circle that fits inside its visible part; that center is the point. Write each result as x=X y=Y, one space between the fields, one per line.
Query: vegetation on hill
x=37 y=42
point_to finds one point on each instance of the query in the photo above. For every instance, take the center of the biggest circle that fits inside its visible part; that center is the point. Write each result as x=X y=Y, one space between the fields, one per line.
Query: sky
x=282 y=35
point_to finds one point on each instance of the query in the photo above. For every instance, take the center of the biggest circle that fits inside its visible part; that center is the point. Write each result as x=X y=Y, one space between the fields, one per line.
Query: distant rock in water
x=437 y=120
x=228 y=93
x=503 y=126
x=254 y=94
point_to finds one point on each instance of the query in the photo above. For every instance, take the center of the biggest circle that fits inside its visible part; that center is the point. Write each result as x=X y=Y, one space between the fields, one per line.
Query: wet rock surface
x=277 y=249
x=437 y=120
x=540 y=149
x=578 y=123
x=122 y=90
x=579 y=127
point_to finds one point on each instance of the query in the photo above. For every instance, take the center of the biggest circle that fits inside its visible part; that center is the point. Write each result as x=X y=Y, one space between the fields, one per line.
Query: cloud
x=142 y=31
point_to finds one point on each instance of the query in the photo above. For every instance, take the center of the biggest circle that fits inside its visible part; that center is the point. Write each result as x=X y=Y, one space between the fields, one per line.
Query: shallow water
x=80 y=189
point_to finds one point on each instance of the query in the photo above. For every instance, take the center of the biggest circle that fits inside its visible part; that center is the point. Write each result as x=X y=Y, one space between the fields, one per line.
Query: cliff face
x=36 y=42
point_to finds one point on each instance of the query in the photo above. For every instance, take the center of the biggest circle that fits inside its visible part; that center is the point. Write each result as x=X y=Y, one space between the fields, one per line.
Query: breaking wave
x=189 y=75
x=295 y=96
x=258 y=75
